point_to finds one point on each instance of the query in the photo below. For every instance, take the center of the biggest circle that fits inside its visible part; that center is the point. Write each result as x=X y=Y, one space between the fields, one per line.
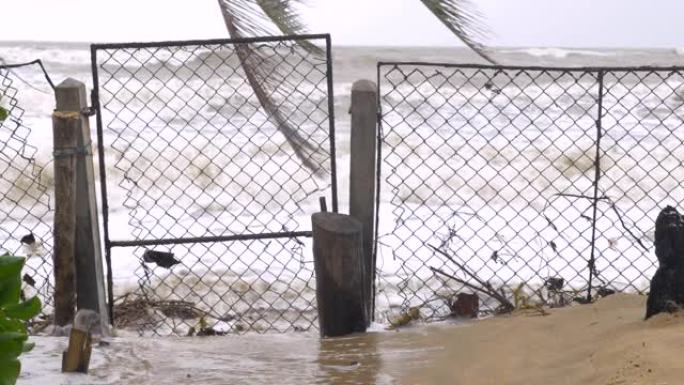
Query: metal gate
x=541 y=183
x=212 y=156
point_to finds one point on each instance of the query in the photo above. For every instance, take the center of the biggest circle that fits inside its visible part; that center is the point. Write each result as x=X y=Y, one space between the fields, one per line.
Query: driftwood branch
x=505 y=303
x=485 y=287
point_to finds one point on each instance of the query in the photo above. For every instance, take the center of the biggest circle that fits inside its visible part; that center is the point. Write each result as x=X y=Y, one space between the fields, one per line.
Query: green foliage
x=3 y=114
x=13 y=315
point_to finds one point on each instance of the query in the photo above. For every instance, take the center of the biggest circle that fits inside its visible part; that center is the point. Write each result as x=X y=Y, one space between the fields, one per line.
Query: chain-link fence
x=213 y=155
x=540 y=182
x=26 y=185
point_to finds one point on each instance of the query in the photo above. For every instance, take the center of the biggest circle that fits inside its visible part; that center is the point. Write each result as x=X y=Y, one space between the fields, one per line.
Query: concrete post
x=90 y=284
x=364 y=107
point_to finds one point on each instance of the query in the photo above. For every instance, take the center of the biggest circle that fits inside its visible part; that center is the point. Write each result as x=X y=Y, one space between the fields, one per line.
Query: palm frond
x=284 y=16
x=268 y=18
x=463 y=21
x=244 y=18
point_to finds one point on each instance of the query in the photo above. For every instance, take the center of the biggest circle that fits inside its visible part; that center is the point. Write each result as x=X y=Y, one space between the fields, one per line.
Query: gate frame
x=96 y=108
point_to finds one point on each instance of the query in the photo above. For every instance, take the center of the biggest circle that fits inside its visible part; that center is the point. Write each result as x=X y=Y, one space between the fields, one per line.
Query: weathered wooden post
x=340 y=274
x=65 y=127
x=364 y=107
x=79 y=277
x=76 y=358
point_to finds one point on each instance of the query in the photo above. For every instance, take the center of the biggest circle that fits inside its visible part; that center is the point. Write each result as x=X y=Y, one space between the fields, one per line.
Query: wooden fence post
x=80 y=257
x=340 y=274
x=65 y=126
x=364 y=107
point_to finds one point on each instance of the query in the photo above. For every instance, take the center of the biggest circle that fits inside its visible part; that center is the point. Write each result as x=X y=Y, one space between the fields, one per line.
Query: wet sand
x=606 y=343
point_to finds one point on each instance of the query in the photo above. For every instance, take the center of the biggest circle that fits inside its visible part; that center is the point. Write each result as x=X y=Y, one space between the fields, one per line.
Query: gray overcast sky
x=558 y=23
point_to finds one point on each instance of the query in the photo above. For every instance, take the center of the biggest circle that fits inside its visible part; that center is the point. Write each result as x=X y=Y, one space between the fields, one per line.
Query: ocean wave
x=557 y=53
x=57 y=55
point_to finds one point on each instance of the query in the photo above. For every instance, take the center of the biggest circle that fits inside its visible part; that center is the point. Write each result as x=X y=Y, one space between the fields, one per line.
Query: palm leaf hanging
x=463 y=21
x=246 y=18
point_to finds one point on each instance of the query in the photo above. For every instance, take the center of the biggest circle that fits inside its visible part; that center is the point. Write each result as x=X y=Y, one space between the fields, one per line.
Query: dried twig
x=613 y=206
x=485 y=287
x=505 y=303
x=624 y=226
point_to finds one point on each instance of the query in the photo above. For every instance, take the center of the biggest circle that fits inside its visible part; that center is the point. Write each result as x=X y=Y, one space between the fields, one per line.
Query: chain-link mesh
x=26 y=184
x=215 y=154
x=495 y=169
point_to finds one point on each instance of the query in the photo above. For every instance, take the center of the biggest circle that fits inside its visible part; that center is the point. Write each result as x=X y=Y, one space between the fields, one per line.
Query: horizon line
x=64 y=42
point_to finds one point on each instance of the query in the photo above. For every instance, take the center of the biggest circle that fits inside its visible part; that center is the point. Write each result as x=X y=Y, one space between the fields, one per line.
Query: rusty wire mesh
x=541 y=177
x=206 y=200
x=26 y=185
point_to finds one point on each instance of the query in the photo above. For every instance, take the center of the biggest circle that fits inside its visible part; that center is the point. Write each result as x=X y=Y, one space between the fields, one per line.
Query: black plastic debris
x=667 y=284
x=161 y=258
x=28 y=239
x=495 y=256
x=604 y=291
x=554 y=283
x=29 y=280
x=553 y=246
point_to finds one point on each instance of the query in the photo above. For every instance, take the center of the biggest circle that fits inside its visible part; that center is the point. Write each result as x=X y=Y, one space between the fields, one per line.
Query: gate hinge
x=92 y=110
x=88 y=111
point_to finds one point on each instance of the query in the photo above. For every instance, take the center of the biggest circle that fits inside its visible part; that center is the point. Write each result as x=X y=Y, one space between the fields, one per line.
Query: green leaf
x=10 y=279
x=9 y=371
x=24 y=310
x=4 y=114
x=11 y=345
x=11 y=325
x=10 y=265
x=13 y=334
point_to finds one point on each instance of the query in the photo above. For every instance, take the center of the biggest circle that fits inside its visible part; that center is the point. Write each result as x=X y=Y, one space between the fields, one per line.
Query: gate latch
x=92 y=110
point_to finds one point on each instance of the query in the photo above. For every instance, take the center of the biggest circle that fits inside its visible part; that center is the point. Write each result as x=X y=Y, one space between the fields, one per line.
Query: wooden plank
x=77 y=356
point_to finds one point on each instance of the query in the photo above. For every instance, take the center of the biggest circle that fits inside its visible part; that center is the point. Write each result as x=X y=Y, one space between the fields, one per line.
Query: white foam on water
x=557 y=53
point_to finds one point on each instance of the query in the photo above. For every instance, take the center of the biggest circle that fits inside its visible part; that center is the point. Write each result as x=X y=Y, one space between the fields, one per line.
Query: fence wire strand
x=26 y=186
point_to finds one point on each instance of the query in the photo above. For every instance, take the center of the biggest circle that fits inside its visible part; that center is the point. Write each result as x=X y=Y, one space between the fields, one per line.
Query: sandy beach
x=606 y=343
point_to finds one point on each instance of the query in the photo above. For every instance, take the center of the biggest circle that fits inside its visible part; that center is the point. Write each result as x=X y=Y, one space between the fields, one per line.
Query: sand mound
x=606 y=343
